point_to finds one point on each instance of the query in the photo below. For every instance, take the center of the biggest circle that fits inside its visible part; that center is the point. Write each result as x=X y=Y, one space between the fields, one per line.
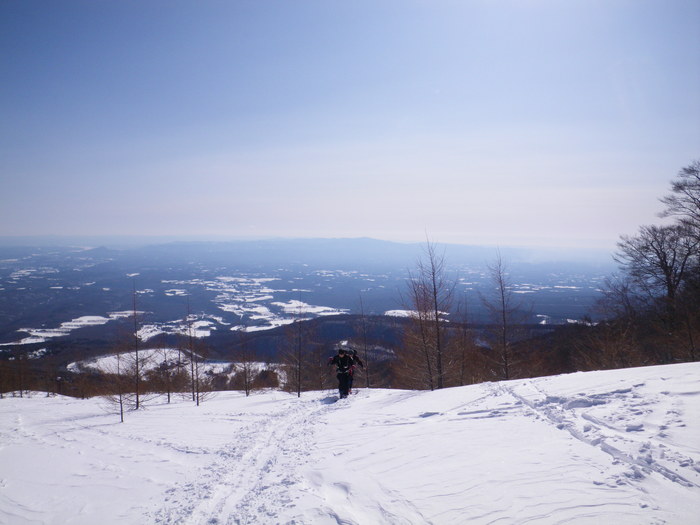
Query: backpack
x=344 y=364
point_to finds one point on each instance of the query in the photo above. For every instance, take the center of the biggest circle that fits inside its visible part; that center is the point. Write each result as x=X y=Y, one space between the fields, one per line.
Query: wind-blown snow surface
x=603 y=447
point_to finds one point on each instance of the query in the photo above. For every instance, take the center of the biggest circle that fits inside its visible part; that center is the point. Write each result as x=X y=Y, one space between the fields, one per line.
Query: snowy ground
x=604 y=447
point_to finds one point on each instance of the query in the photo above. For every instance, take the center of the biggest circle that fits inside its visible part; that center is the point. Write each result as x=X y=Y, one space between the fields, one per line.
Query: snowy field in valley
x=619 y=447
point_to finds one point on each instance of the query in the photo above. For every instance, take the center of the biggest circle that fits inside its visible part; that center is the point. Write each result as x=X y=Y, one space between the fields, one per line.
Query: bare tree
x=316 y=372
x=416 y=361
x=619 y=299
x=245 y=361
x=441 y=292
x=181 y=377
x=658 y=260
x=469 y=362
x=658 y=291
x=684 y=200
x=49 y=375
x=295 y=357
x=190 y=351
x=365 y=346
x=689 y=314
x=612 y=344
x=118 y=380
x=303 y=358
x=120 y=387
x=137 y=362
x=161 y=377
x=506 y=311
x=19 y=368
x=5 y=377
x=202 y=378
x=684 y=204
x=295 y=353
x=430 y=295
x=268 y=377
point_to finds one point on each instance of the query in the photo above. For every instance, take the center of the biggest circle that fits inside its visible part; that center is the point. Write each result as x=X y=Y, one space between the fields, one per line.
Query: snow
x=41 y=335
x=152 y=358
x=400 y=313
x=198 y=326
x=241 y=296
x=302 y=308
x=617 y=447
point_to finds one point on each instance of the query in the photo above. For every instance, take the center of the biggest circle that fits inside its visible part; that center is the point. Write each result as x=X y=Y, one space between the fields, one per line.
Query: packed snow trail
x=248 y=480
x=617 y=447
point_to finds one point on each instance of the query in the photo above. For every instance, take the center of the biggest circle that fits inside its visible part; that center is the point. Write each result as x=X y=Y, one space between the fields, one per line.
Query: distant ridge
x=354 y=249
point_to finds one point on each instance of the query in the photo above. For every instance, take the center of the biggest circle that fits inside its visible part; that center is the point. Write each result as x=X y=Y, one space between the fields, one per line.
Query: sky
x=529 y=122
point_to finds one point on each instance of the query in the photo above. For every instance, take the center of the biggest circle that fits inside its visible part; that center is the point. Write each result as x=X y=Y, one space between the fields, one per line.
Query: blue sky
x=476 y=122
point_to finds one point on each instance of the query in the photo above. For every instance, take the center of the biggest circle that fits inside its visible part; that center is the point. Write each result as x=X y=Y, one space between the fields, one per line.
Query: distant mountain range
x=364 y=248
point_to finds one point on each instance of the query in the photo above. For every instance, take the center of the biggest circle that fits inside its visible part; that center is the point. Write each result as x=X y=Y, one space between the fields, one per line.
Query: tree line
x=653 y=306
x=650 y=311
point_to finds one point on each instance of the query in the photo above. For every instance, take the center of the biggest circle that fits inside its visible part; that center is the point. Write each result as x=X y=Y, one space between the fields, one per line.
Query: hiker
x=345 y=365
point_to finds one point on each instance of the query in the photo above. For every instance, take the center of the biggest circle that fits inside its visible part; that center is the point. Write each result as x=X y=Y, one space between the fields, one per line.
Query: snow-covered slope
x=603 y=447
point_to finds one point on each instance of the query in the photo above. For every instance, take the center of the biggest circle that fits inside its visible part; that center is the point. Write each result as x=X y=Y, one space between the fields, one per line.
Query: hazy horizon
x=136 y=239
x=354 y=247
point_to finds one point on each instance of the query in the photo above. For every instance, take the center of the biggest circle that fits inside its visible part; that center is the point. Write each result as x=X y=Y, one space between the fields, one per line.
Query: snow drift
x=600 y=447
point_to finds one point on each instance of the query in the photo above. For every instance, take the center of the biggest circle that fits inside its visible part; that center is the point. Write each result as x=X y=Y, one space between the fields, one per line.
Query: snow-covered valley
x=216 y=290
x=617 y=446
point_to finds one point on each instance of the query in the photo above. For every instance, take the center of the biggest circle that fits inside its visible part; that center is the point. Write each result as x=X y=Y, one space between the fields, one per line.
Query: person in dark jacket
x=345 y=365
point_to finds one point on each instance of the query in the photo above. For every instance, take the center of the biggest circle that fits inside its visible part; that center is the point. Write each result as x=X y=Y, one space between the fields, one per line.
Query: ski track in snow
x=261 y=476
x=617 y=447
x=242 y=484
x=617 y=437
